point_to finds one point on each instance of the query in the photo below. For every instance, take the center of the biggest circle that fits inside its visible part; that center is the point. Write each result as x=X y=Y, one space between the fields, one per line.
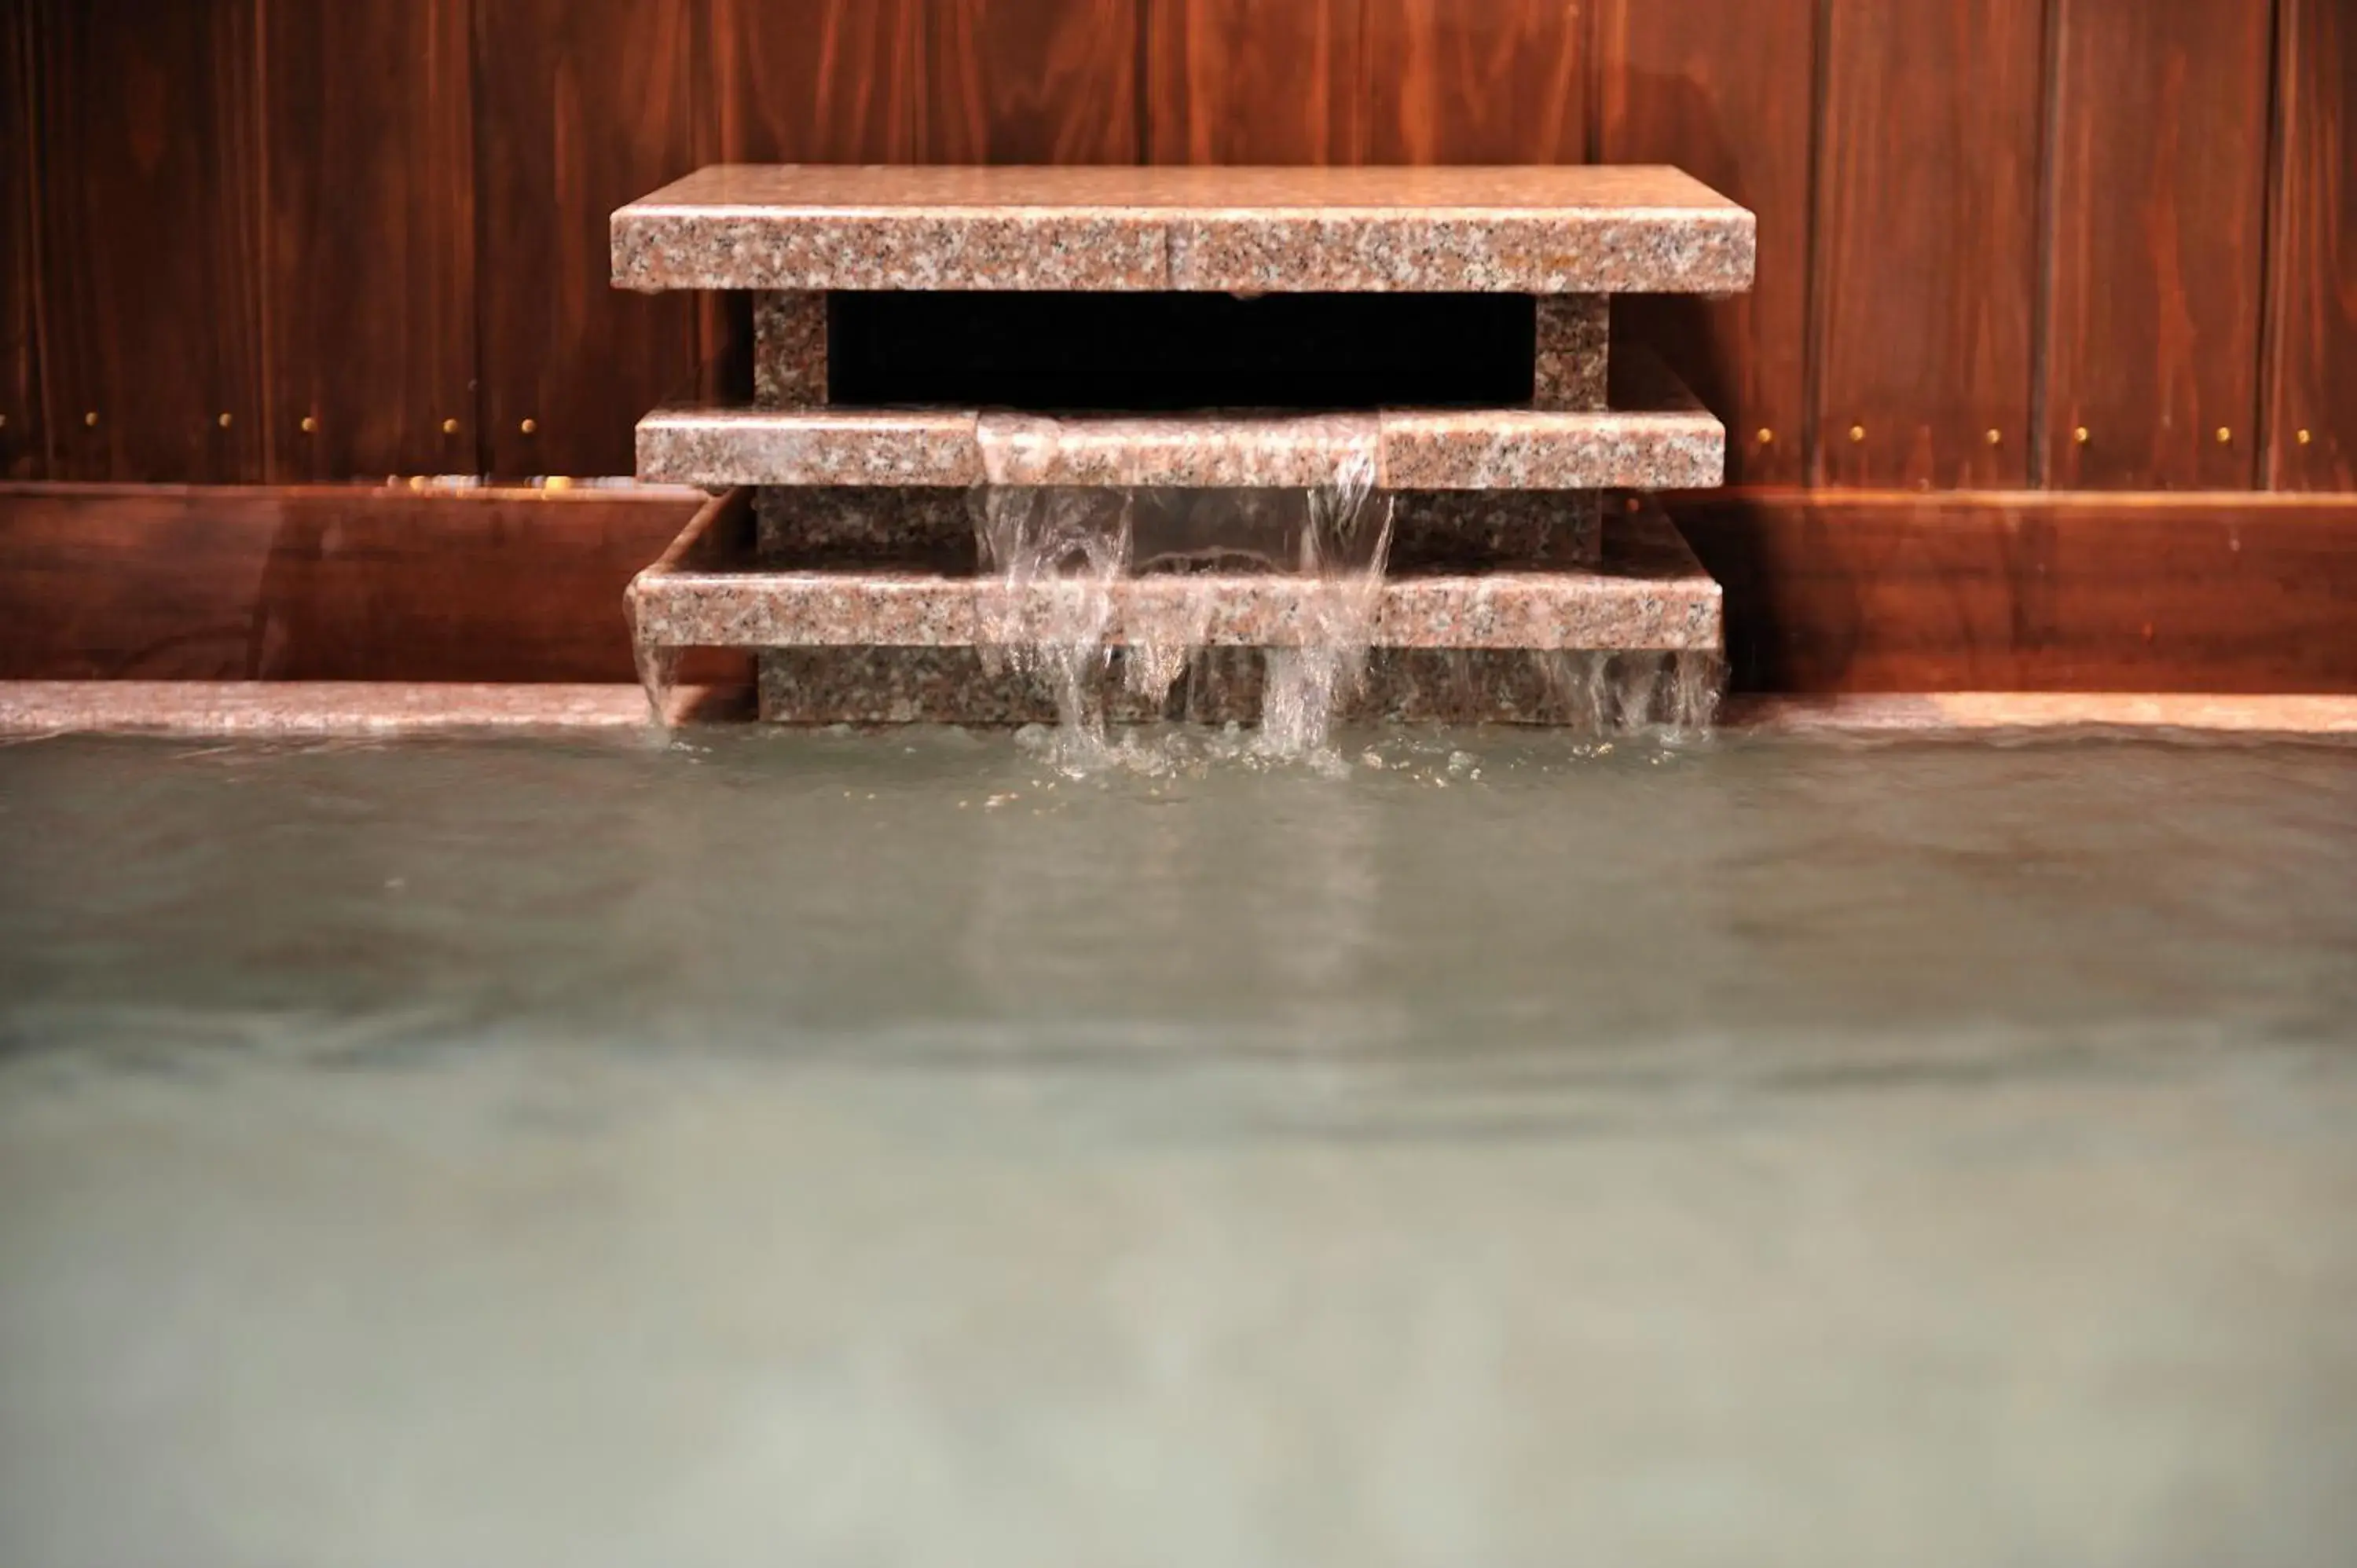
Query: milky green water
x=810 y=1149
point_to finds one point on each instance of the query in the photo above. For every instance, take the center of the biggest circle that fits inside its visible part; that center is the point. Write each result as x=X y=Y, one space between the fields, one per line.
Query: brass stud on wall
x=1856 y=434
x=2080 y=435
x=90 y=420
x=2225 y=437
x=450 y=428
x=2304 y=436
x=310 y=425
x=1767 y=436
x=1997 y=438
x=224 y=422
x=529 y=426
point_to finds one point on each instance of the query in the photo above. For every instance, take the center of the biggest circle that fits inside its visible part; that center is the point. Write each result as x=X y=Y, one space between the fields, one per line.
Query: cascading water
x=1052 y=554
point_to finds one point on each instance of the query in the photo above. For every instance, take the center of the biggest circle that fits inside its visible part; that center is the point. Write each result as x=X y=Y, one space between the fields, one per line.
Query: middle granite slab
x=1675 y=445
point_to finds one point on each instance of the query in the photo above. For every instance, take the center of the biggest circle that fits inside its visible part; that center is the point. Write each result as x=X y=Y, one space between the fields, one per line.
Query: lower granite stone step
x=1649 y=593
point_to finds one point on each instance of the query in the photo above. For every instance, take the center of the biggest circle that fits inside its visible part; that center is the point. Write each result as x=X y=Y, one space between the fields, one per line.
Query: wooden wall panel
x=581 y=105
x=322 y=583
x=1893 y=592
x=150 y=233
x=820 y=81
x=1245 y=81
x=1032 y=81
x=1927 y=256
x=1475 y=82
x=1723 y=89
x=370 y=304
x=23 y=441
x=2312 y=423
x=2158 y=191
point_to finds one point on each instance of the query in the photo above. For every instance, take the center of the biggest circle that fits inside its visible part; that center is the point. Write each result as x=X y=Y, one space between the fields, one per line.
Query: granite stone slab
x=1670 y=444
x=1649 y=593
x=1580 y=230
x=723 y=446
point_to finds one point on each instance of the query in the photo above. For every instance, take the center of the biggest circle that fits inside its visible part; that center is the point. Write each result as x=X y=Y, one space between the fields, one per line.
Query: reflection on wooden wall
x=2101 y=244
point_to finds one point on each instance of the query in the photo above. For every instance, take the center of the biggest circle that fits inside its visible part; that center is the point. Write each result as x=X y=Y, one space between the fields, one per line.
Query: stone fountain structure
x=1440 y=335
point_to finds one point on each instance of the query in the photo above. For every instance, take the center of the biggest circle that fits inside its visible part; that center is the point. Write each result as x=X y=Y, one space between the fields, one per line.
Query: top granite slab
x=1580 y=229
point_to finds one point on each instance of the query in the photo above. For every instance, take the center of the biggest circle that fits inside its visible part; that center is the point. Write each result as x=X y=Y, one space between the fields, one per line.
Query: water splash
x=1344 y=547
x=1676 y=693
x=1053 y=555
x=658 y=667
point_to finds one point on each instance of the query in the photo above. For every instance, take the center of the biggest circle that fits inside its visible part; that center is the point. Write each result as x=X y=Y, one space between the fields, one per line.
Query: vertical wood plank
x=2159 y=183
x=23 y=439
x=1244 y=81
x=1723 y=89
x=2312 y=422
x=151 y=238
x=370 y=137
x=582 y=105
x=1031 y=81
x=819 y=82
x=816 y=81
x=1475 y=82
x=1927 y=243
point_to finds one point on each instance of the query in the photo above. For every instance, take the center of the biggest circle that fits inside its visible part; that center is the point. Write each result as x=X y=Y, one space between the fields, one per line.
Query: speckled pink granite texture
x=1578 y=229
x=265 y=709
x=1219 y=685
x=718 y=448
x=1672 y=445
x=1648 y=594
x=1574 y=351
x=789 y=350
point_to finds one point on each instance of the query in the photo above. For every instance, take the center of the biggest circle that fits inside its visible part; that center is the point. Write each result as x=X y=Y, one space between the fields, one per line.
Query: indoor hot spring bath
x=768 y=1146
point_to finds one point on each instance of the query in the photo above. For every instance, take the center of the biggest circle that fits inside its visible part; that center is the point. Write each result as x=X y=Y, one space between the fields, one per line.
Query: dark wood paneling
x=370 y=142
x=322 y=584
x=1245 y=81
x=1032 y=81
x=23 y=443
x=2313 y=396
x=1889 y=591
x=1927 y=242
x=817 y=81
x=1475 y=82
x=582 y=105
x=150 y=237
x=1722 y=88
x=2158 y=187
x=820 y=82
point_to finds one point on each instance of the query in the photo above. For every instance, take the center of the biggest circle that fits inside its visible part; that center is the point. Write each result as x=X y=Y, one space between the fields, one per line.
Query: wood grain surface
x=561 y=348
x=1723 y=88
x=150 y=238
x=2154 y=269
x=369 y=178
x=2312 y=393
x=1927 y=243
